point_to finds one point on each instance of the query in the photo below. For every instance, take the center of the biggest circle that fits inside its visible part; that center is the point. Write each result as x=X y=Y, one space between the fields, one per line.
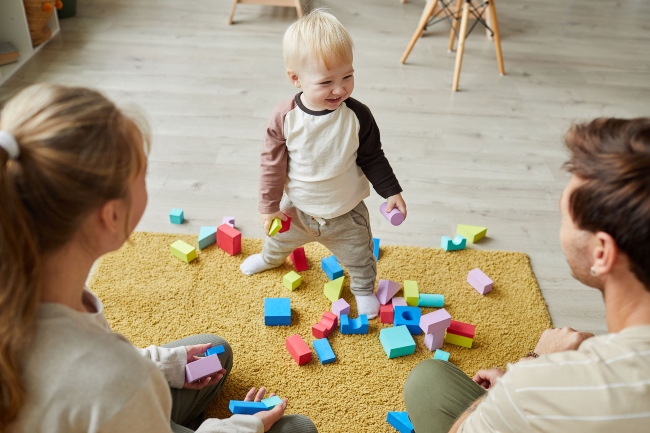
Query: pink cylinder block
x=395 y=216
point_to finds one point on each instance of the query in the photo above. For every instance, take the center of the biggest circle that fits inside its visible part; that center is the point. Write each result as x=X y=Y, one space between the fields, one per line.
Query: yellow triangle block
x=183 y=251
x=471 y=233
x=334 y=288
x=276 y=225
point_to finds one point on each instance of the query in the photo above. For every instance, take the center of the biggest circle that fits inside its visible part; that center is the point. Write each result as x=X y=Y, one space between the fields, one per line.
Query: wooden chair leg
x=232 y=11
x=454 y=25
x=488 y=21
x=426 y=14
x=497 y=37
x=461 y=45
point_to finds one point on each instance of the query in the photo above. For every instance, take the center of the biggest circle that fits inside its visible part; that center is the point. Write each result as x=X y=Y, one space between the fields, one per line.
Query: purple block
x=435 y=322
x=399 y=302
x=230 y=220
x=340 y=306
x=386 y=290
x=434 y=341
x=202 y=367
x=395 y=216
x=481 y=282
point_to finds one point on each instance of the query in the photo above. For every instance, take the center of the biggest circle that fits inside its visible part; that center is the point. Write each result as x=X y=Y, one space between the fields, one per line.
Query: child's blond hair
x=317 y=35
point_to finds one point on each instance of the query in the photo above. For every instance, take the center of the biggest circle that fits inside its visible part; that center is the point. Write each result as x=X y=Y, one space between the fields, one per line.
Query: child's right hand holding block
x=394 y=210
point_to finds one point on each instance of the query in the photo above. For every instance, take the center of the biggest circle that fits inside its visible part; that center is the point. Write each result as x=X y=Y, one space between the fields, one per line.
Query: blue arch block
x=354 y=326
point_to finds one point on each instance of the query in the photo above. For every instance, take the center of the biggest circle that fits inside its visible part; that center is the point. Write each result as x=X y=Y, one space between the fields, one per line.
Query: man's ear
x=606 y=253
x=293 y=77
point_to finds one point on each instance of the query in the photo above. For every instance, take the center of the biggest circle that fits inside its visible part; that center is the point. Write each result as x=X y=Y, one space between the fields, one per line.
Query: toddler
x=320 y=149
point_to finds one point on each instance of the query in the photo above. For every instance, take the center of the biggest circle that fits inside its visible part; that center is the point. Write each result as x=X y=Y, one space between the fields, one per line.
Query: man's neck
x=627 y=302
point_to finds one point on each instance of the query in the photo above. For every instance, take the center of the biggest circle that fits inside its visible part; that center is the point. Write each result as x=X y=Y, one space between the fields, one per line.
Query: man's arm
x=454 y=428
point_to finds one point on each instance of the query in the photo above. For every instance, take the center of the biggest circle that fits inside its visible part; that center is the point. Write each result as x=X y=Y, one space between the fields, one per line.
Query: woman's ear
x=111 y=216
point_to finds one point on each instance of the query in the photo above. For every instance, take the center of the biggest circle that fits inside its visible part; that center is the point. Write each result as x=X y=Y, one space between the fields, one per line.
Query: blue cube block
x=176 y=216
x=331 y=267
x=218 y=350
x=246 y=407
x=354 y=326
x=375 y=241
x=324 y=351
x=397 y=341
x=277 y=311
x=441 y=355
x=410 y=317
x=401 y=421
x=207 y=236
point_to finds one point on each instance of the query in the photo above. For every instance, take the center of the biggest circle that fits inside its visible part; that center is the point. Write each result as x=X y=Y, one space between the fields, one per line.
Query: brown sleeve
x=274 y=159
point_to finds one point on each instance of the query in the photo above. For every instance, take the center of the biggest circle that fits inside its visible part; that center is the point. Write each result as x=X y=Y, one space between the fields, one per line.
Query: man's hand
x=560 y=340
x=396 y=201
x=204 y=381
x=267 y=219
x=268 y=417
x=488 y=378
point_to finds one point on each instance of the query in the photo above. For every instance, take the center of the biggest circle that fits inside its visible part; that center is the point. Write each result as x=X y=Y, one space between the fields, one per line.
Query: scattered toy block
x=441 y=355
x=397 y=341
x=326 y=325
x=462 y=329
x=481 y=282
x=183 y=251
x=207 y=236
x=431 y=301
x=229 y=239
x=458 y=243
x=394 y=216
x=436 y=321
x=298 y=349
x=271 y=402
x=276 y=225
x=459 y=340
x=277 y=311
x=411 y=293
x=176 y=216
x=473 y=234
x=399 y=302
x=386 y=289
x=202 y=367
x=230 y=220
x=386 y=313
x=354 y=326
x=375 y=250
x=333 y=289
x=401 y=421
x=331 y=267
x=286 y=224
x=324 y=351
x=410 y=317
x=246 y=407
x=299 y=259
x=217 y=350
x=291 y=280
x=434 y=341
x=340 y=306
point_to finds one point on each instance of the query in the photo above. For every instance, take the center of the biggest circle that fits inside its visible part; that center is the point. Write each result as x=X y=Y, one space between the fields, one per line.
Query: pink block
x=395 y=216
x=202 y=367
x=399 y=302
x=481 y=282
x=340 y=306
x=386 y=289
x=435 y=322
x=434 y=341
x=230 y=220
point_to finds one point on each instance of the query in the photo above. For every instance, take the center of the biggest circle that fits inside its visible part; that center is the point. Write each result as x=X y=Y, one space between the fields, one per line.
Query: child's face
x=323 y=89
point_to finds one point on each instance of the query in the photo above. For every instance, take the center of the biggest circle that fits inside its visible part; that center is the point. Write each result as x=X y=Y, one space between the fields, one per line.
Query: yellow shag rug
x=152 y=298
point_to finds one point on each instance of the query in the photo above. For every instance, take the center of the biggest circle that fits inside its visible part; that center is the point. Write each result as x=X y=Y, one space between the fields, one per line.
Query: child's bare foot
x=368 y=305
x=254 y=264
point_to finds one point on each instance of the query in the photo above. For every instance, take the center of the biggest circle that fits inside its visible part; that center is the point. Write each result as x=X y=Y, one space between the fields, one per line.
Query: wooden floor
x=489 y=155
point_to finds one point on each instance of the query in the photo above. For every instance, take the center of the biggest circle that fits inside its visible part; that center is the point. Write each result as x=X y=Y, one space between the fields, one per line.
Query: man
x=573 y=381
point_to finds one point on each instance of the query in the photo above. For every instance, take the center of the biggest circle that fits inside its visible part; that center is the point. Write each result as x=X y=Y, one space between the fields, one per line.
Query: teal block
x=375 y=242
x=207 y=236
x=324 y=351
x=458 y=243
x=431 y=300
x=397 y=341
x=176 y=216
x=441 y=355
x=272 y=402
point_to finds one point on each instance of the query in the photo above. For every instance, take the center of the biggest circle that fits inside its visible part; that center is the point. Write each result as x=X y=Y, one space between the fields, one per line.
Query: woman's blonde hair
x=317 y=35
x=77 y=151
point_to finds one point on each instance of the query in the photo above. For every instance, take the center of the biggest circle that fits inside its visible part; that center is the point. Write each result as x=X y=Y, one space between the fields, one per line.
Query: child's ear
x=293 y=77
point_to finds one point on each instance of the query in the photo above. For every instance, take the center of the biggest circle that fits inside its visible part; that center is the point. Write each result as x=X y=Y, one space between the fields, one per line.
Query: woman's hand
x=396 y=201
x=204 y=381
x=268 y=417
x=267 y=219
x=488 y=378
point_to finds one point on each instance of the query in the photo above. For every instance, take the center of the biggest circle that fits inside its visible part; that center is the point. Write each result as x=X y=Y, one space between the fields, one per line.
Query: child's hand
x=267 y=219
x=208 y=380
x=268 y=417
x=396 y=201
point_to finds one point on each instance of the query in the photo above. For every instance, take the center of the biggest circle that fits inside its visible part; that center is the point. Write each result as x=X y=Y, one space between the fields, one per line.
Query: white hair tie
x=9 y=144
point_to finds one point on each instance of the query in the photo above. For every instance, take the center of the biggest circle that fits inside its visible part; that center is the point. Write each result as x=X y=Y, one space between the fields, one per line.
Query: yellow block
x=411 y=293
x=471 y=233
x=459 y=340
x=334 y=288
x=276 y=225
x=183 y=251
x=291 y=280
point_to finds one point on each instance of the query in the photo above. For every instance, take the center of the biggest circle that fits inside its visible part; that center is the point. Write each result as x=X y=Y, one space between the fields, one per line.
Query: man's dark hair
x=613 y=157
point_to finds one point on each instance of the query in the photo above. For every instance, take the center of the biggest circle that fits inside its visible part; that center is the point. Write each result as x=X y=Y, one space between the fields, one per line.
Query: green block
x=471 y=233
x=411 y=293
x=183 y=251
x=458 y=340
x=276 y=225
x=291 y=280
x=334 y=288
x=397 y=341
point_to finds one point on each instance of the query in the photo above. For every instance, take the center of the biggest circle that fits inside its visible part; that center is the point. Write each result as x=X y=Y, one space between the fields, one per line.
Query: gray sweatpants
x=348 y=237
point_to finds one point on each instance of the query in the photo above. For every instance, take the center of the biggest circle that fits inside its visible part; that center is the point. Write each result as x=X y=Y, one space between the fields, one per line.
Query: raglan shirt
x=323 y=160
x=604 y=386
x=81 y=377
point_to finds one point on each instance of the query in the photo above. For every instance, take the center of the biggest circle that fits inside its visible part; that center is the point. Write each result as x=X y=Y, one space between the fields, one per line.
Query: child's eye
x=347 y=77
x=325 y=83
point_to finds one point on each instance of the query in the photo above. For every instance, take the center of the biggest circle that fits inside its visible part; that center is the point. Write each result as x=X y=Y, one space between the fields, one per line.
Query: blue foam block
x=401 y=421
x=324 y=351
x=441 y=355
x=458 y=243
x=410 y=317
x=207 y=236
x=246 y=407
x=176 y=216
x=277 y=311
x=354 y=326
x=430 y=300
x=375 y=241
x=331 y=267
x=218 y=350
